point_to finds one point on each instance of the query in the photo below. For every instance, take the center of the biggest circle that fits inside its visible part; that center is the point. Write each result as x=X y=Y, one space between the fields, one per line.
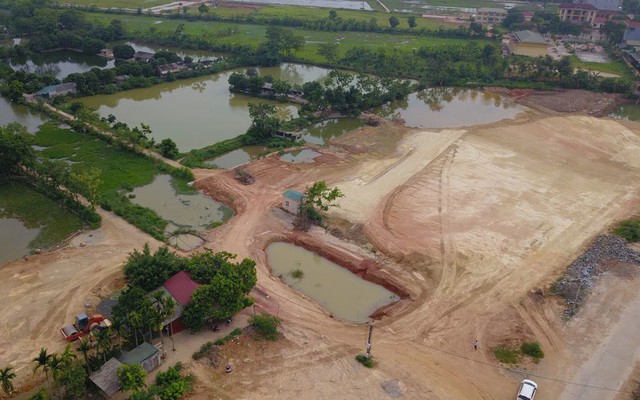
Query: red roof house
x=181 y=288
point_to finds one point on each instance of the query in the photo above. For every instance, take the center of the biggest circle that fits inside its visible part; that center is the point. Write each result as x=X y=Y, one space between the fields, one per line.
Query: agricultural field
x=312 y=13
x=251 y=35
x=133 y=4
x=612 y=67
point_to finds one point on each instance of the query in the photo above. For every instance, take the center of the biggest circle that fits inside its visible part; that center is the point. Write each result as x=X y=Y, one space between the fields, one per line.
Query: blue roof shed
x=294 y=195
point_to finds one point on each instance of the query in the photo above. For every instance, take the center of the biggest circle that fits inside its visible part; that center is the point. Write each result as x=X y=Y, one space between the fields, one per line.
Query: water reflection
x=59 y=63
x=10 y=112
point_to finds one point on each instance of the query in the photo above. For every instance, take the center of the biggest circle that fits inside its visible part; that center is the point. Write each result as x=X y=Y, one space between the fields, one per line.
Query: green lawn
x=382 y=18
x=612 y=67
x=249 y=34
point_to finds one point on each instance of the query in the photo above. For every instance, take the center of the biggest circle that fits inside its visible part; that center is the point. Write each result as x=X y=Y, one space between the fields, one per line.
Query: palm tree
x=103 y=341
x=56 y=364
x=135 y=321
x=6 y=379
x=68 y=356
x=117 y=326
x=85 y=346
x=42 y=361
x=168 y=307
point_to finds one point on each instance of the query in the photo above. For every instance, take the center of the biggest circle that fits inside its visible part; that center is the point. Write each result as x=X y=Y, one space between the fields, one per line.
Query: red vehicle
x=83 y=325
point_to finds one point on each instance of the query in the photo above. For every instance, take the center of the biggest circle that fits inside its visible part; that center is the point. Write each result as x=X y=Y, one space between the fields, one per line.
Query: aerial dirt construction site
x=469 y=227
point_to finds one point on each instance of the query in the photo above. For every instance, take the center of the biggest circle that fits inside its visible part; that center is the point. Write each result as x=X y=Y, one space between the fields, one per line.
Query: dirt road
x=469 y=221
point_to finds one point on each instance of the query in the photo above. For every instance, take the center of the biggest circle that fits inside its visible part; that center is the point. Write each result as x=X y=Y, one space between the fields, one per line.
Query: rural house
x=291 y=201
x=106 y=378
x=146 y=354
x=57 y=90
x=527 y=43
x=143 y=56
x=490 y=16
x=180 y=286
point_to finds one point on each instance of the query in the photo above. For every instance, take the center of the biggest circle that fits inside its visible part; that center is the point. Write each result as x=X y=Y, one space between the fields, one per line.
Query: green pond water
x=324 y=131
x=10 y=112
x=336 y=289
x=196 y=112
x=627 y=111
x=60 y=63
x=188 y=211
x=451 y=108
x=197 y=55
x=30 y=220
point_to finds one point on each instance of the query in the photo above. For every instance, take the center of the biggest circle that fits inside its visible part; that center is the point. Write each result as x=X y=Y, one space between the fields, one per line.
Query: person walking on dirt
x=475 y=345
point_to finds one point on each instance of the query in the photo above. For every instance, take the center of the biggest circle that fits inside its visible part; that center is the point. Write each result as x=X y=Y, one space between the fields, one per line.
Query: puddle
x=186 y=241
x=326 y=130
x=236 y=157
x=335 y=288
x=300 y=156
x=630 y=112
x=190 y=211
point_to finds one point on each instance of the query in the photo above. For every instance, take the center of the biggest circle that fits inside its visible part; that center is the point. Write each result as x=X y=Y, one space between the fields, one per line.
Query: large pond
x=338 y=290
x=196 y=112
x=60 y=63
x=184 y=211
x=10 y=112
x=197 y=55
x=30 y=221
x=324 y=131
x=451 y=108
x=627 y=111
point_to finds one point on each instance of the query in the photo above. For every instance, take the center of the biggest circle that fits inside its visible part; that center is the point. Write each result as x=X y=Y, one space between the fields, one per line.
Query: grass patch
x=629 y=230
x=234 y=333
x=507 y=355
x=612 y=67
x=297 y=273
x=203 y=351
x=266 y=325
x=532 y=349
x=364 y=360
x=121 y=3
x=36 y=211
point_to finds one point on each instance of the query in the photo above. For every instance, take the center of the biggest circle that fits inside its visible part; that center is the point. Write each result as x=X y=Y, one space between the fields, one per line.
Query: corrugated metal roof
x=106 y=378
x=139 y=354
x=529 y=37
x=294 y=195
x=181 y=287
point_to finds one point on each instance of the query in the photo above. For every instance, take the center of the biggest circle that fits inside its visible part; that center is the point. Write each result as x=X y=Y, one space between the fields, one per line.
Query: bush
x=532 y=349
x=204 y=350
x=266 y=325
x=364 y=360
x=297 y=273
x=234 y=333
x=506 y=355
x=629 y=230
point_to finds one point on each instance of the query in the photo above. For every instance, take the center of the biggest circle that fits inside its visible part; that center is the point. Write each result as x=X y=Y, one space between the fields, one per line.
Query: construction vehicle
x=83 y=325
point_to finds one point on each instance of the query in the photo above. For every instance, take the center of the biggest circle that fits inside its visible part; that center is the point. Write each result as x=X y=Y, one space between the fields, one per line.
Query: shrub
x=629 y=230
x=532 y=349
x=506 y=355
x=364 y=360
x=266 y=325
x=204 y=350
x=297 y=273
x=234 y=333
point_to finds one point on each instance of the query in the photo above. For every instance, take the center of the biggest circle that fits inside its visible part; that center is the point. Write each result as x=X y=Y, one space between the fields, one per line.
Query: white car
x=528 y=390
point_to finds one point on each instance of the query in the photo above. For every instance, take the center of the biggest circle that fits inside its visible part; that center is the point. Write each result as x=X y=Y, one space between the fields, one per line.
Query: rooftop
x=294 y=195
x=181 y=287
x=494 y=10
x=529 y=37
x=578 y=6
x=139 y=354
x=56 y=88
x=106 y=378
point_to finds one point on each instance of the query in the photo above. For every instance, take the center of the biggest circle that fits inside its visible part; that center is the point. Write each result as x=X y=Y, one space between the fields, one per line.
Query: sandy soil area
x=470 y=222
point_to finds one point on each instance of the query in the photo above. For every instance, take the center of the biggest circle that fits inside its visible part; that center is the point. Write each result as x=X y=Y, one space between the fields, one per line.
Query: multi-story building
x=592 y=12
x=490 y=16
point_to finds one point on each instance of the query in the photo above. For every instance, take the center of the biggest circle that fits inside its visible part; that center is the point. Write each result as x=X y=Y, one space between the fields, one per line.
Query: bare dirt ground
x=468 y=221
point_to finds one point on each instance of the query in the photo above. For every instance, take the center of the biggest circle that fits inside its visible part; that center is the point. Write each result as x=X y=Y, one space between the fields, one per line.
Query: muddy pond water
x=236 y=157
x=59 y=63
x=184 y=211
x=30 y=221
x=336 y=289
x=197 y=112
x=627 y=111
x=324 y=131
x=10 y=112
x=451 y=108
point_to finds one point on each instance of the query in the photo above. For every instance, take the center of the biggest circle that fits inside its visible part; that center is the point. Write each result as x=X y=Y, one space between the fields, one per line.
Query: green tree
x=265 y=325
x=135 y=321
x=329 y=51
x=16 y=152
x=321 y=196
x=86 y=182
x=613 y=30
x=412 y=22
x=394 y=21
x=514 y=16
x=40 y=395
x=203 y=9
x=123 y=51
x=149 y=271
x=6 y=379
x=73 y=379
x=281 y=87
x=264 y=122
x=204 y=265
x=42 y=361
x=333 y=14
x=169 y=149
x=131 y=377
x=85 y=346
x=103 y=342
x=284 y=40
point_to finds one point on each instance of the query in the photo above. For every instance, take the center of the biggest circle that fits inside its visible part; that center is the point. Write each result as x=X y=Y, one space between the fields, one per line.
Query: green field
x=381 y=18
x=419 y=7
x=251 y=35
x=132 y=4
x=612 y=67
x=36 y=210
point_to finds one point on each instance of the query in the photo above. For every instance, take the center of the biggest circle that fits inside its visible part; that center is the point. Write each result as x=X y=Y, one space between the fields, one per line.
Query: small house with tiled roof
x=291 y=200
x=180 y=287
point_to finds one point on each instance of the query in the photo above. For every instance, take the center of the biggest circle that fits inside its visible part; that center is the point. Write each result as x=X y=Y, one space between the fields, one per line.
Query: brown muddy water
x=237 y=157
x=10 y=112
x=337 y=289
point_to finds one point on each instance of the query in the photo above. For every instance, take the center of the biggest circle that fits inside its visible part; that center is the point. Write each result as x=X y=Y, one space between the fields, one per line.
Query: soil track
x=468 y=222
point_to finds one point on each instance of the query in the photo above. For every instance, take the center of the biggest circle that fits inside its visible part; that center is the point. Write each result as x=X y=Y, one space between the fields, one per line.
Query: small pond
x=236 y=157
x=300 y=156
x=186 y=211
x=10 y=112
x=197 y=112
x=30 y=221
x=60 y=63
x=335 y=288
x=451 y=108
x=627 y=111
x=197 y=55
x=324 y=131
